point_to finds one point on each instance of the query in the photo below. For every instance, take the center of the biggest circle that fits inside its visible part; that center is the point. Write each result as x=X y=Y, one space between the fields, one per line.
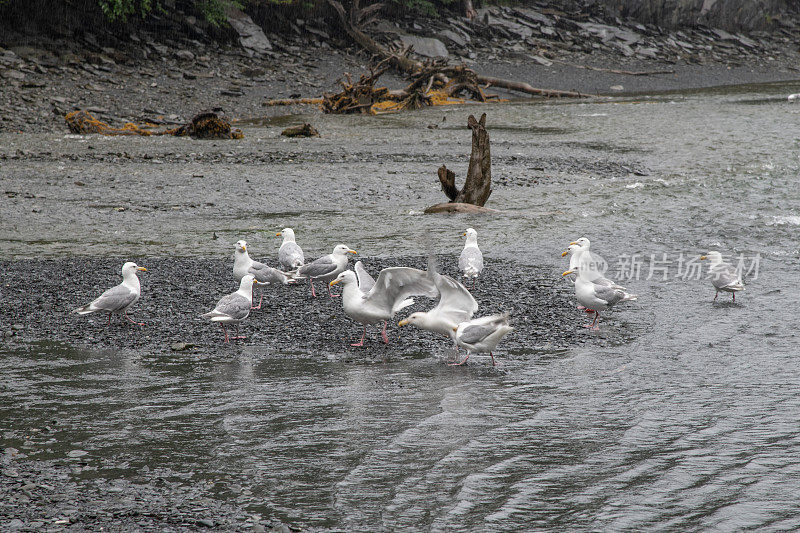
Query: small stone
x=181 y=346
x=205 y=522
x=617 y=88
x=186 y=55
x=13 y=75
x=17 y=327
x=15 y=524
x=77 y=453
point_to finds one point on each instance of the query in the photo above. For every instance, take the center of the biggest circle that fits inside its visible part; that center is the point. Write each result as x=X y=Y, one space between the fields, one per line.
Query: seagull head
x=287 y=233
x=241 y=246
x=345 y=278
x=713 y=257
x=571 y=249
x=341 y=249
x=130 y=268
x=413 y=318
x=583 y=242
x=470 y=233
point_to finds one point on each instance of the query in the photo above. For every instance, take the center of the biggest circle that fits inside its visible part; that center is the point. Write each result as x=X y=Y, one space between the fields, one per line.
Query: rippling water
x=689 y=422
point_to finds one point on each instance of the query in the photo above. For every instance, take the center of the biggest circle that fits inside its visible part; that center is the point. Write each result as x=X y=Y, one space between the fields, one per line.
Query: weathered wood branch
x=448 y=180
x=523 y=87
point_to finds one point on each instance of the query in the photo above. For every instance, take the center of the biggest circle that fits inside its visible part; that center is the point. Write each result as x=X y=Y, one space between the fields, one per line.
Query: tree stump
x=478 y=184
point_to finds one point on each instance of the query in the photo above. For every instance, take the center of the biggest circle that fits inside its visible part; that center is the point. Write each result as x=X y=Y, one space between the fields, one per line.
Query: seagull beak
x=573 y=242
x=565 y=252
x=464 y=234
x=278 y=234
x=455 y=328
x=352 y=252
x=332 y=283
x=703 y=257
x=568 y=272
x=143 y=269
x=403 y=322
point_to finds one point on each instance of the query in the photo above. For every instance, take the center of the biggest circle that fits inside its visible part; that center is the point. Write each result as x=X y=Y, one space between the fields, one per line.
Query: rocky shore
x=146 y=77
x=176 y=291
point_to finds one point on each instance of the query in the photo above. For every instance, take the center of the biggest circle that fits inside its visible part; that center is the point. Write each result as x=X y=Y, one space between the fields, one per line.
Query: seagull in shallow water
x=723 y=276
x=592 y=264
x=326 y=267
x=118 y=299
x=234 y=307
x=470 y=262
x=264 y=275
x=290 y=255
x=596 y=297
x=481 y=335
x=390 y=294
x=456 y=305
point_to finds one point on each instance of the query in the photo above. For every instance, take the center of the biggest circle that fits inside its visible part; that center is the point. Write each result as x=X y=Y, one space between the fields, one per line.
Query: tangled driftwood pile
x=432 y=83
x=206 y=125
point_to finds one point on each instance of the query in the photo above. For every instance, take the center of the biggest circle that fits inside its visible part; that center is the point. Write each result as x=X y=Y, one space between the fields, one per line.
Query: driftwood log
x=478 y=183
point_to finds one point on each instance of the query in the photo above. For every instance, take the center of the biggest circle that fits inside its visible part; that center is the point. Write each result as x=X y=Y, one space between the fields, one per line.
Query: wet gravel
x=38 y=296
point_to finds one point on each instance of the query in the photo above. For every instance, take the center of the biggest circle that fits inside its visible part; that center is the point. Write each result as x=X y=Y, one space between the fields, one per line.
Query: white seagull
x=243 y=264
x=594 y=297
x=234 y=307
x=365 y=281
x=290 y=255
x=470 y=262
x=326 y=267
x=591 y=263
x=723 y=276
x=456 y=305
x=481 y=335
x=118 y=299
x=390 y=294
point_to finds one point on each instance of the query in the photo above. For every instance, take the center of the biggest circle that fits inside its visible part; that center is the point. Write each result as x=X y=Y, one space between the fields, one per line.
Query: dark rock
x=300 y=130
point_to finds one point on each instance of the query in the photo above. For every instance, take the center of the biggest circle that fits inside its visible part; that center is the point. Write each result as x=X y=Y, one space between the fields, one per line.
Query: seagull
x=290 y=255
x=470 y=262
x=481 y=335
x=723 y=276
x=234 y=307
x=365 y=281
x=390 y=294
x=592 y=264
x=456 y=305
x=596 y=297
x=326 y=267
x=120 y=298
x=264 y=275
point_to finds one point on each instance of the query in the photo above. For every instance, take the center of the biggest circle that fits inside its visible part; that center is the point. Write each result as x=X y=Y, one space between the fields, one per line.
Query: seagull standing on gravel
x=596 y=297
x=290 y=255
x=482 y=335
x=234 y=307
x=264 y=275
x=590 y=262
x=118 y=299
x=470 y=262
x=723 y=276
x=326 y=267
x=390 y=294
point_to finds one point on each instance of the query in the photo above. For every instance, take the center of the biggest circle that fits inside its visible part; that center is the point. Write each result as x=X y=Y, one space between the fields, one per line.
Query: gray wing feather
x=266 y=274
x=474 y=334
x=114 y=299
x=234 y=305
x=470 y=258
x=320 y=267
x=608 y=295
x=724 y=275
x=290 y=255
x=365 y=281
x=396 y=284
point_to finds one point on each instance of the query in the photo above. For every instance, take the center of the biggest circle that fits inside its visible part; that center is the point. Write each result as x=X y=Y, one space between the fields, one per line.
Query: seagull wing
x=365 y=281
x=396 y=284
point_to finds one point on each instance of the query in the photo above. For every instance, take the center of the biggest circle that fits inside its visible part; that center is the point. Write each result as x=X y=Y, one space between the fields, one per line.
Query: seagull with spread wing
x=390 y=293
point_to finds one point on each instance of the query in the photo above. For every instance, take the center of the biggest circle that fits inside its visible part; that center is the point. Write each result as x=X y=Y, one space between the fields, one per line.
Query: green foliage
x=423 y=7
x=212 y=10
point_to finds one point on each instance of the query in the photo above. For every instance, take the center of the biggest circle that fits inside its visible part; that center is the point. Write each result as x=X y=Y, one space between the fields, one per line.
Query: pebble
x=77 y=453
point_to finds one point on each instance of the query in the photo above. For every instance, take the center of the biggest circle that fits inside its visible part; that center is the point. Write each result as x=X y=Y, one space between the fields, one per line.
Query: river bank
x=144 y=78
